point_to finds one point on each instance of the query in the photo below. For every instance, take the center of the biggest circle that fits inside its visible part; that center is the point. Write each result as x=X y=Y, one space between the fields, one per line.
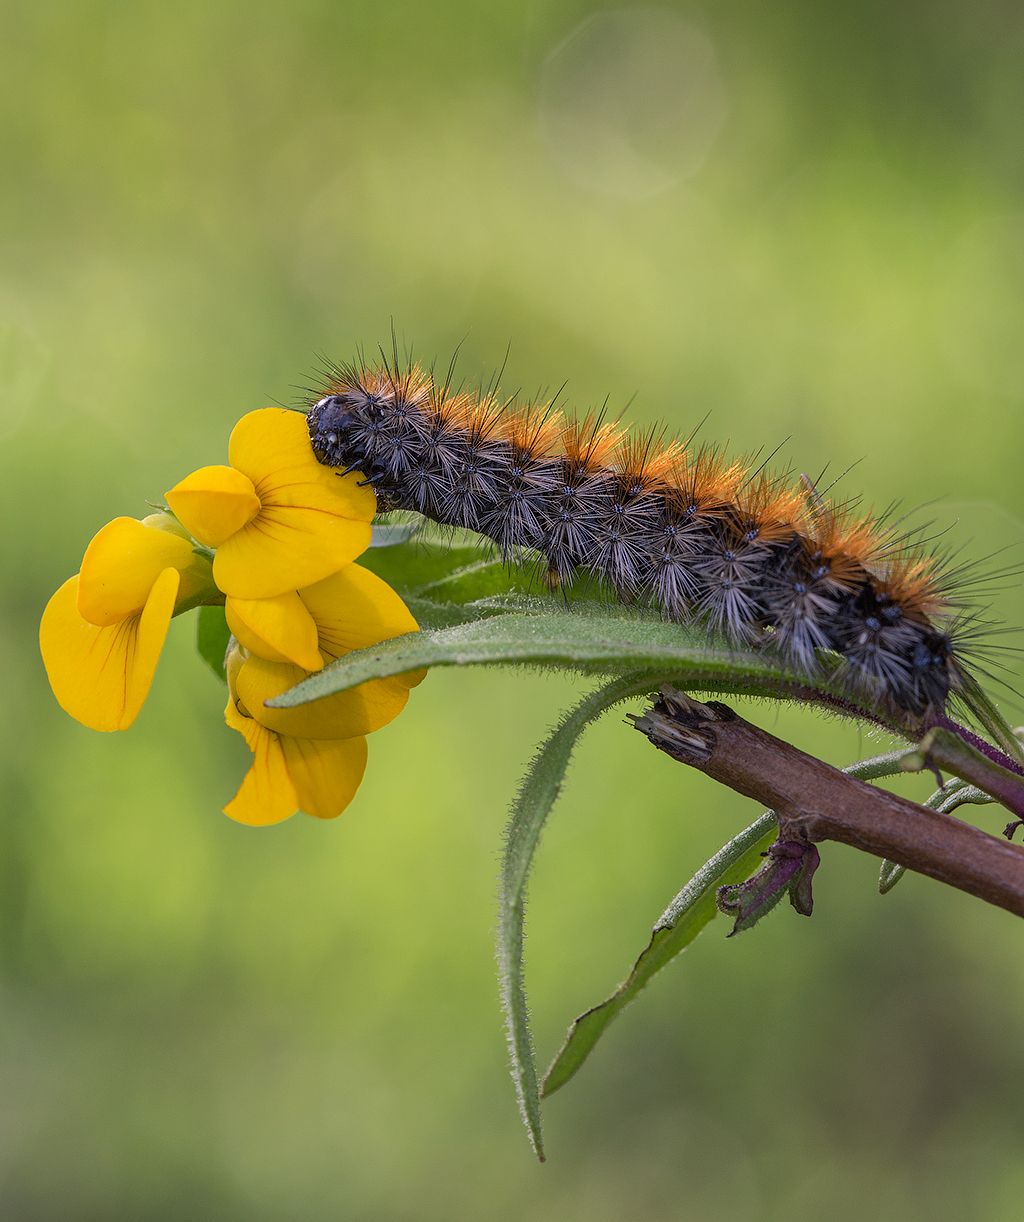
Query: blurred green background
x=807 y=219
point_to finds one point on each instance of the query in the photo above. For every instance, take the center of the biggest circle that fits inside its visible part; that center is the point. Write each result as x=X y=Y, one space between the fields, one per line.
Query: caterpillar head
x=343 y=428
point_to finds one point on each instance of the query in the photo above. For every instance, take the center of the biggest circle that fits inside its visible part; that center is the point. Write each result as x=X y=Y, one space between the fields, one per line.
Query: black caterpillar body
x=749 y=556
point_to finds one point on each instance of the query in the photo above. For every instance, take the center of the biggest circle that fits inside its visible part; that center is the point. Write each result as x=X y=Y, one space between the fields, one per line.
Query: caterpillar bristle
x=708 y=481
x=590 y=443
x=752 y=555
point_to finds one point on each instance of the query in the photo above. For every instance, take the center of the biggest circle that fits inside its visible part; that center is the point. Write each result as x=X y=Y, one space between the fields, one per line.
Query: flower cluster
x=272 y=537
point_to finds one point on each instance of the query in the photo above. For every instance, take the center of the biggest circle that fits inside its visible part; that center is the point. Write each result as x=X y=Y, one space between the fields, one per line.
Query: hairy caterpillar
x=707 y=540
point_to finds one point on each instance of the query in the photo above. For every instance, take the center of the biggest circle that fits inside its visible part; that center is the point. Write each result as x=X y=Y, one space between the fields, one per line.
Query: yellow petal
x=153 y=625
x=233 y=662
x=197 y=585
x=120 y=566
x=355 y=608
x=360 y=710
x=214 y=502
x=321 y=777
x=272 y=447
x=311 y=521
x=267 y=794
x=326 y=773
x=101 y=675
x=279 y=629
x=285 y=548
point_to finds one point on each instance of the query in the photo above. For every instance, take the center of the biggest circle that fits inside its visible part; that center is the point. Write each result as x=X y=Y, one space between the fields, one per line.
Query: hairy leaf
x=451 y=579
x=530 y=810
x=691 y=910
x=591 y=638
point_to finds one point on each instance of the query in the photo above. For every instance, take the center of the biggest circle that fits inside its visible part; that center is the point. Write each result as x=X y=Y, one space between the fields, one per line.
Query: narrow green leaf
x=212 y=636
x=965 y=795
x=878 y=766
x=692 y=909
x=529 y=812
x=889 y=875
x=593 y=638
x=442 y=573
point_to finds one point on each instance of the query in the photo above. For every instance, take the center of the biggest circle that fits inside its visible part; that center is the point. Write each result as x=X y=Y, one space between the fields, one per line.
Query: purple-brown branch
x=814 y=801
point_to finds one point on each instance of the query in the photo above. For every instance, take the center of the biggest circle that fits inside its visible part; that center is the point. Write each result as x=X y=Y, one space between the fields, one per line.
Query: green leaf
x=693 y=908
x=454 y=580
x=889 y=875
x=390 y=534
x=593 y=638
x=212 y=636
x=530 y=810
x=431 y=615
x=455 y=574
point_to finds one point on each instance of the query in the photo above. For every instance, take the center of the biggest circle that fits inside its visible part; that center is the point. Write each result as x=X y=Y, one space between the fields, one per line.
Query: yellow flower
x=319 y=776
x=286 y=531
x=278 y=518
x=311 y=757
x=348 y=610
x=102 y=632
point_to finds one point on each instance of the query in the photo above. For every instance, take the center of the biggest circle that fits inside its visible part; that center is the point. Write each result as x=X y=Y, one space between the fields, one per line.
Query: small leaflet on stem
x=788 y=871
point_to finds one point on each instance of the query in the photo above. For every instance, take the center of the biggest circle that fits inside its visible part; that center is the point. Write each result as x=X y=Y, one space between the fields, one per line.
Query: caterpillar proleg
x=763 y=562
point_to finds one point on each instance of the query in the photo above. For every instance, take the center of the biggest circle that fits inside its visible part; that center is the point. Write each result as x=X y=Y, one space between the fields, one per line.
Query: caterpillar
x=764 y=562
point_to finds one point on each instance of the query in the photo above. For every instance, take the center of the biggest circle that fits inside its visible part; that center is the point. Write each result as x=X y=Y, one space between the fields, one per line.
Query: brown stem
x=816 y=802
